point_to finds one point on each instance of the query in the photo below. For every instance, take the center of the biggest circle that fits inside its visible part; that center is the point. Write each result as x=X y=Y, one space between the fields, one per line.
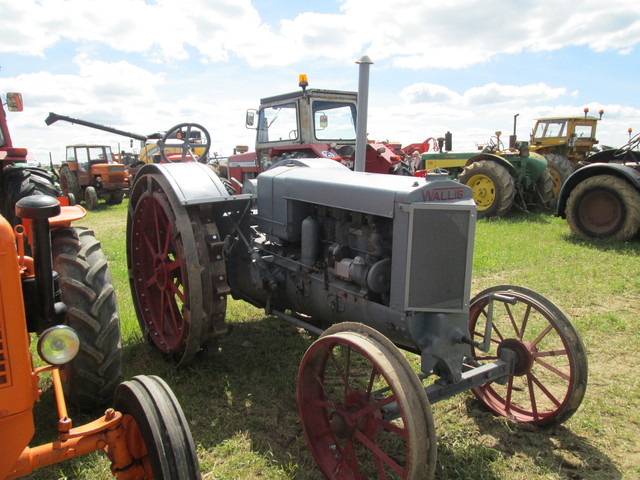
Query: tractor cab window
x=278 y=123
x=82 y=156
x=100 y=155
x=583 y=131
x=334 y=120
x=2 y=141
x=551 y=129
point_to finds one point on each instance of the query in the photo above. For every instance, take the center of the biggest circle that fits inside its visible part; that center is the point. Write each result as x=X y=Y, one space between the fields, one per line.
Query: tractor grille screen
x=438 y=254
x=4 y=367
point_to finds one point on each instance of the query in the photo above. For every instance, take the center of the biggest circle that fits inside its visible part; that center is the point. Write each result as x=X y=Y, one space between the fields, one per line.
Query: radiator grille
x=439 y=257
x=4 y=362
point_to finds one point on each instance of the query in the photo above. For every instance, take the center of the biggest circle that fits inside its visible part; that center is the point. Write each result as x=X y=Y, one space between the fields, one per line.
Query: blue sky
x=465 y=66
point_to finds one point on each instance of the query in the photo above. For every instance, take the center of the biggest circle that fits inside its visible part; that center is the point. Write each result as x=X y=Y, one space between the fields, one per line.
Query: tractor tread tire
x=502 y=180
x=544 y=194
x=561 y=168
x=22 y=181
x=115 y=198
x=629 y=202
x=91 y=379
x=69 y=181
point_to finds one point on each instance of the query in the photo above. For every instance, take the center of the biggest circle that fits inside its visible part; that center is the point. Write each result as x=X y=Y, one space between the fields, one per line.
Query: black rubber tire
x=21 y=181
x=560 y=168
x=90 y=380
x=542 y=195
x=69 y=181
x=502 y=187
x=152 y=414
x=115 y=198
x=604 y=207
x=90 y=198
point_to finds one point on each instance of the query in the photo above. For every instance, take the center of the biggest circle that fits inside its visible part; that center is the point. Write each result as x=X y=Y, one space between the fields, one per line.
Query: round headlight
x=58 y=345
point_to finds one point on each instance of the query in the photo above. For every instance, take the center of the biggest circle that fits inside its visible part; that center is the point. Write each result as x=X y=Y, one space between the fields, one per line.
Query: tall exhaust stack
x=363 y=103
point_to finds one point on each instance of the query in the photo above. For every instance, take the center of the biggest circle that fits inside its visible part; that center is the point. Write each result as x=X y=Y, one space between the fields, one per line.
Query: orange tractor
x=145 y=434
x=90 y=172
x=63 y=299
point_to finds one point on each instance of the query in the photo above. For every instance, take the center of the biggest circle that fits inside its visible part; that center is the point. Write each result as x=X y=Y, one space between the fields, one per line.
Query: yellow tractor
x=564 y=142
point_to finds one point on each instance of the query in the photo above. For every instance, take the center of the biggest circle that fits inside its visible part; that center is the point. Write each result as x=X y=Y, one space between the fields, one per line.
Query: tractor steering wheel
x=184 y=139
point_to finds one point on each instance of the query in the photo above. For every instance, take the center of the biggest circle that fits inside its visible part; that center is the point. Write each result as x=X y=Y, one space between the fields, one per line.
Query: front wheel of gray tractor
x=91 y=379
x=493 y=187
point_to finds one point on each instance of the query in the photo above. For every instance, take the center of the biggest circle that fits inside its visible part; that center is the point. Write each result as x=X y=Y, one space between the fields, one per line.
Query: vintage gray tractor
x=377 y=266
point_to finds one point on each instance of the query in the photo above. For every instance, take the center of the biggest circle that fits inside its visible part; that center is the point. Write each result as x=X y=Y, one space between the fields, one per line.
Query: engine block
x=337 y=245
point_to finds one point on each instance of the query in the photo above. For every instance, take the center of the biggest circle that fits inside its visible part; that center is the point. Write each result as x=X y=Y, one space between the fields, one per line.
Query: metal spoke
x=549 y=395
x=507 y=400
x=542 y=334
x=378 y=453
x=553 y=369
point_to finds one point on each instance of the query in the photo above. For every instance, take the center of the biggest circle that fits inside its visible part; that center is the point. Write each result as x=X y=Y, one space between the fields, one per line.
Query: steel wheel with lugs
x=171 y=271
x=550 y=375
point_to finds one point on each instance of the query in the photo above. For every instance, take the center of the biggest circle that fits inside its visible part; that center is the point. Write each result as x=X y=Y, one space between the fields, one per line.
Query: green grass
x=241 y=401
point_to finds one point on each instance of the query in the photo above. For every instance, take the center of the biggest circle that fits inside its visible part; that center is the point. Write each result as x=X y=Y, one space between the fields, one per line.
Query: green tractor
x=500 y=178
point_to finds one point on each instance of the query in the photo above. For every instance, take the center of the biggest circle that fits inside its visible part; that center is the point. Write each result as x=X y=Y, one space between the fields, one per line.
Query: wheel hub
x=483 y=190
x=341 y=426
x=600 y=211
x=347 y=418
x=524 y=354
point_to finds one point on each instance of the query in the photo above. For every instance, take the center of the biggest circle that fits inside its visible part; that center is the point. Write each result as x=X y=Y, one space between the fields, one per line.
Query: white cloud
x=489 y=94
x=397 y=35
x=411 y=34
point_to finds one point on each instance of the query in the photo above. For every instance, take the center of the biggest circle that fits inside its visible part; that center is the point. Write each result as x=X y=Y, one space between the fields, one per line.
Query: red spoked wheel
x=171 y=270
x=551 y=370
x=363 y=409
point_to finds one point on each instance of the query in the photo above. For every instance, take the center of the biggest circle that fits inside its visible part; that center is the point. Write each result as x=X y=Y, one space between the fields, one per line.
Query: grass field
x=241 y=402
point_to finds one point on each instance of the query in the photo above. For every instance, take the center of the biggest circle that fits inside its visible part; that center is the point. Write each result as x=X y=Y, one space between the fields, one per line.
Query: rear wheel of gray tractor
x=493 y=187
x=156 y=431
x=604 y=207
x=176 y=277
x=90 y=380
